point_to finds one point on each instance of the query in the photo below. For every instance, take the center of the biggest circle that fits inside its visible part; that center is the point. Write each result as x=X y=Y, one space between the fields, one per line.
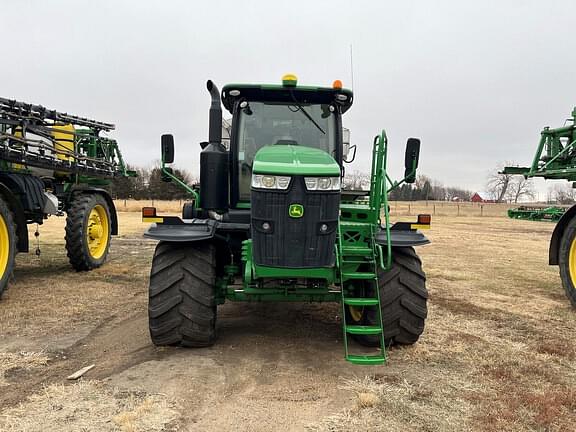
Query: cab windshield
x=263 y=123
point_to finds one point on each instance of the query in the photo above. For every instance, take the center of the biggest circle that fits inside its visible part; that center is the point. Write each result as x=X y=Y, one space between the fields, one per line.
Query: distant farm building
x=476 y=198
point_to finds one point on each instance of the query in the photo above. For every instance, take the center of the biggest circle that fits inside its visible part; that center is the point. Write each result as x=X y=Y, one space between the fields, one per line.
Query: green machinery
x=555 y=159
x=52 y=163
x=551 y=214
x=269 y=222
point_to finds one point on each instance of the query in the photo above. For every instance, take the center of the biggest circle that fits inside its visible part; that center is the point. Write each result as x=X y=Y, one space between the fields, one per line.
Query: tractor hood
x=294 y=160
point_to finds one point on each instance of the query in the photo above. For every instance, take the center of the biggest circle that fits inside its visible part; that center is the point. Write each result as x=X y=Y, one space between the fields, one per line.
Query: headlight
x=268 y=182
x=322 y=183
x=260 y=181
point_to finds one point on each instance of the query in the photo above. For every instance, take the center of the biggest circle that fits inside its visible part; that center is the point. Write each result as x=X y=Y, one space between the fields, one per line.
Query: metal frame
x=555 y=156
x=27 y=140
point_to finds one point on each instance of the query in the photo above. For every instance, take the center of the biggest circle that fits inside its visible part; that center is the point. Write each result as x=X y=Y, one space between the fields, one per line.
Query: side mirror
x=167 y=144
x=346 y=147
x=347 y=150
x=411 y=159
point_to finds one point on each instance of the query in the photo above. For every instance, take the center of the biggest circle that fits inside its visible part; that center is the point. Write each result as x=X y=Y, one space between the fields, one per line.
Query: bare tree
x=438 y=191
x=520 y=187
x=356 y=180
x=497 y=183
x=562 y=194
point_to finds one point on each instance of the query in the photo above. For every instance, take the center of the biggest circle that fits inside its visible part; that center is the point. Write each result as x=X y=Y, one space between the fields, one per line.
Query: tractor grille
x=280 y=240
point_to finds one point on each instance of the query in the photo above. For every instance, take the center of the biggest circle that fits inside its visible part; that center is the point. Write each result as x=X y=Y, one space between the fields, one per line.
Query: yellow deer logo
x=296 y=210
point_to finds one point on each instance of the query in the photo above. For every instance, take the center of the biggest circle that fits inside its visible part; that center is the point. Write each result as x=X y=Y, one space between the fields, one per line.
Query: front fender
x=19 y=217
x=402 y=238
x=558 y=233
x=195 y=230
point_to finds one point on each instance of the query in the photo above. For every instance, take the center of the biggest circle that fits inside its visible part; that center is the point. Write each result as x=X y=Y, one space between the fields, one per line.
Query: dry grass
x=47 y=293
x=498 y=352
x=443 y=208
x=397 y=208
x=13 y=364
x=89 y=406
x=161 y=206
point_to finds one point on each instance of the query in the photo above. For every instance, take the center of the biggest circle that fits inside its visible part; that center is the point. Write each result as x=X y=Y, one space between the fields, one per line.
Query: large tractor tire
x=7 y=245
x=403 y=298
x=88 y=231
x=182 y=307
x=567 y=261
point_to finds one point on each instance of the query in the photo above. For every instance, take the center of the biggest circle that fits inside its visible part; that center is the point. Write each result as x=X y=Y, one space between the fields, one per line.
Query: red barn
x=477 y=198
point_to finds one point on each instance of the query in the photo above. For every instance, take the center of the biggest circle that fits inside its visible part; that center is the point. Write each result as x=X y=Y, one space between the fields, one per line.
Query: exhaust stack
x=215 y=122
x=214 y=160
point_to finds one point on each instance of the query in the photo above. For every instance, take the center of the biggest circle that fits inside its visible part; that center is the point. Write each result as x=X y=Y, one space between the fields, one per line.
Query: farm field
x=498 y=352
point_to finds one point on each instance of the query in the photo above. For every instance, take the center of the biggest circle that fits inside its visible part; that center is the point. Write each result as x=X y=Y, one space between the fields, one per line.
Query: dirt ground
x=498 y=352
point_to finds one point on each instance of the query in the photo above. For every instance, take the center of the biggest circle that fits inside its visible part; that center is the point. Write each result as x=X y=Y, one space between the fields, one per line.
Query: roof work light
x=289 y=80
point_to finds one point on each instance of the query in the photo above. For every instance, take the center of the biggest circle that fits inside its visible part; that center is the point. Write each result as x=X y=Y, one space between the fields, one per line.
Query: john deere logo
x=296 y=210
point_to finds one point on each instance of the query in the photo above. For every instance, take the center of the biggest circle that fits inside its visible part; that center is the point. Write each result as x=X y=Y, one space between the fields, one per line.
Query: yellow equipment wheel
x=567 y=261
x=88 y=231
x=356 y=313
x=98 y=232
x=7 y=245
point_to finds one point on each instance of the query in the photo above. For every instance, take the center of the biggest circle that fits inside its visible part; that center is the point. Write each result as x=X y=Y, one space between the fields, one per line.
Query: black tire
x=182 y=305
x=403 y=298
x=566 y=243
x=77 y=231
x=7 y=245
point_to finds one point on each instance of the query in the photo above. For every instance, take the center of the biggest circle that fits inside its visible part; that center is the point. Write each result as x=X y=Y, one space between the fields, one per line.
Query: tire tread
x=76 y=215
x=182 y=307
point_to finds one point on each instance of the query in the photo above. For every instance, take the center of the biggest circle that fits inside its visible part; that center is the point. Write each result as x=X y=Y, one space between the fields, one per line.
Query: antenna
x=351 y=69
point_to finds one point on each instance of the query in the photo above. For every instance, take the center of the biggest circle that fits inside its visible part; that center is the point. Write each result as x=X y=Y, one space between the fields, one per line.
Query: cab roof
x=281 y=93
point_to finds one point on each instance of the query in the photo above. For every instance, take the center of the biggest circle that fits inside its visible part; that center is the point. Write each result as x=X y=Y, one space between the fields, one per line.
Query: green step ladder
x=360 y=254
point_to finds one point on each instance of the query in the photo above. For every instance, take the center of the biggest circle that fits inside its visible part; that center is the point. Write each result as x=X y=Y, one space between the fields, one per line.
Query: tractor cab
x=283 y=115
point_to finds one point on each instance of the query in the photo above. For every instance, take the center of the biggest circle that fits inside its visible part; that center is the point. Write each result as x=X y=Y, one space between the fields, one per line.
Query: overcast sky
x=476 y=81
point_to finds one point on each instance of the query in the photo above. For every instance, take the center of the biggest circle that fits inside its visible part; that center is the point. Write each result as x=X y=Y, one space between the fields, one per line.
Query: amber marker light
x=148 y=212
x=424 y=219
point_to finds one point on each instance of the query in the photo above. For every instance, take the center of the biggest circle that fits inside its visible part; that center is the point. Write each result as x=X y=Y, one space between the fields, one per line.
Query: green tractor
x=271 y=222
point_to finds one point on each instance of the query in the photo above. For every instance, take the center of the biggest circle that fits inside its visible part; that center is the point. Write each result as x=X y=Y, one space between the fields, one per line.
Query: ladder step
x=356 y=206
x=363 y=330
x=358 y=275
x=361 y=301
x=358 y=260
x=366 y=359
x=354 y=225
x=357 y=251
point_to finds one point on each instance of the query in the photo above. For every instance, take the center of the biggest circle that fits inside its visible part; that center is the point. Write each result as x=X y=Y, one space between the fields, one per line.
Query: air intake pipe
x=214 y=160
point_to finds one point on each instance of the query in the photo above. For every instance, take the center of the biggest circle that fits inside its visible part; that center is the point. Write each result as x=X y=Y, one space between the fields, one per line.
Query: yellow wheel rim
x=572 y=262
x=98 y=232
x=356 y=312
x=4 y=246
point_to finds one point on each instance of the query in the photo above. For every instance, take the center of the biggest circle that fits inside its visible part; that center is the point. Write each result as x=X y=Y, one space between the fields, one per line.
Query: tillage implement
x=270 y=222
x=555 y=159
x=550 y=214
x=54 y=163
